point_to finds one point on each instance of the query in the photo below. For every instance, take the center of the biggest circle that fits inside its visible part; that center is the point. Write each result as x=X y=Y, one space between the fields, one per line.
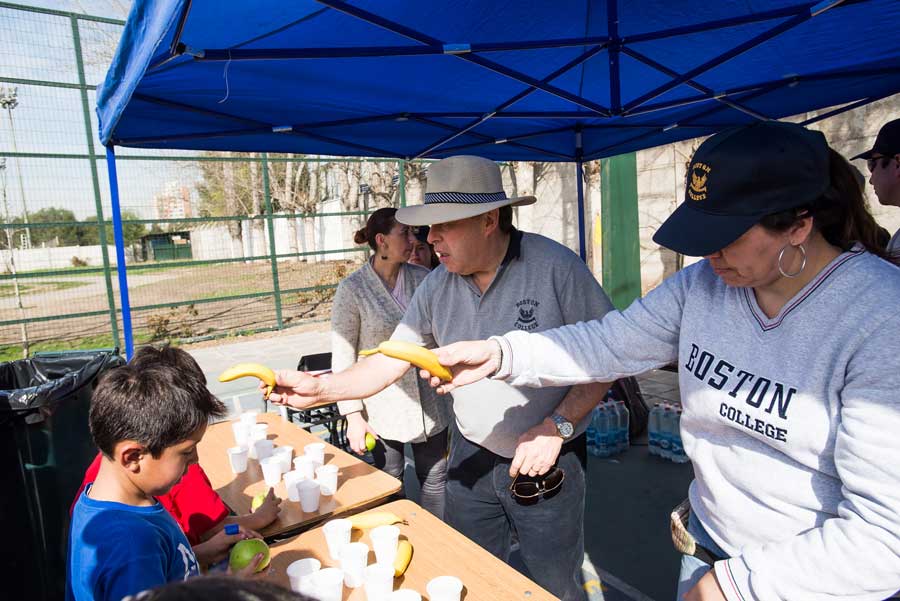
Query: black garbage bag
x=45 y=447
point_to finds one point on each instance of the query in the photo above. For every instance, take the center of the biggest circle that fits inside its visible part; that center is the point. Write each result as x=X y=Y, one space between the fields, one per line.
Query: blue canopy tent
x=542 y=81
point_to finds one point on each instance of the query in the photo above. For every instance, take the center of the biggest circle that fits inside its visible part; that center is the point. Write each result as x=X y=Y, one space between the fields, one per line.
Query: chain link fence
x=216 y=243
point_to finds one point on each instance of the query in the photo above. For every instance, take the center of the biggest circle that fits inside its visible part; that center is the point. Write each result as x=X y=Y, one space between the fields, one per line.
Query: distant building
x=174 y=203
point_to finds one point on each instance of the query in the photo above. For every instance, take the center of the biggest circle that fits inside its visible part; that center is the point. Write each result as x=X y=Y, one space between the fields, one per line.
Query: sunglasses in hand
x=530 y=489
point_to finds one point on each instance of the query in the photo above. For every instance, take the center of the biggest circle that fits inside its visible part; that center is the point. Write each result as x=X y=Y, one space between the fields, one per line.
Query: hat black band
x=469 y=198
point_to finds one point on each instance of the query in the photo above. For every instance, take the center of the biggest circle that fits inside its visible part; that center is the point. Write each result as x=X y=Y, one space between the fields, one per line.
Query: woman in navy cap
x=783 y=338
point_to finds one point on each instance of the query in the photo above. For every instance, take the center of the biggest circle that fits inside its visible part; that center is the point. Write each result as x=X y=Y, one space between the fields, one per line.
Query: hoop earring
x=802 y=261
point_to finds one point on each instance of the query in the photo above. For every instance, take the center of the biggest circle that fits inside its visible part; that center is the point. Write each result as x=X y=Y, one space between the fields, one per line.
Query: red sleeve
x=89 y=476
x=194 y=504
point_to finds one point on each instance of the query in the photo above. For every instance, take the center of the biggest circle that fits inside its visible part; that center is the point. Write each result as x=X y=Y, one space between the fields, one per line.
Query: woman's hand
x=219 y=545
x=468 y=361
x=357 y=427
x=297 y=389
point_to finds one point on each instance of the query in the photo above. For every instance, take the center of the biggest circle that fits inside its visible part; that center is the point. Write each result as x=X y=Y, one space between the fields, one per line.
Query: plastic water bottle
x=678 y=454
x=603 y=431
x=593 y=436
x=624 y=421
x=665 y=432
x=653 y=430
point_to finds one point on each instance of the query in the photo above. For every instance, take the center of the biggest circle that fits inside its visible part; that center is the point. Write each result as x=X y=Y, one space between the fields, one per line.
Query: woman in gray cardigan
x=368 y=305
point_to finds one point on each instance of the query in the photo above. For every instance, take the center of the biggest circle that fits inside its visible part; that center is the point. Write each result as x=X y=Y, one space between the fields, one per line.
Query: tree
x=67 y=234
x=132 y=232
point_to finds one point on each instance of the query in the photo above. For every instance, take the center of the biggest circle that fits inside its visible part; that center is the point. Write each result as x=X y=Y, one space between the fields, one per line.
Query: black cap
x=740 y=175
x=887 y=143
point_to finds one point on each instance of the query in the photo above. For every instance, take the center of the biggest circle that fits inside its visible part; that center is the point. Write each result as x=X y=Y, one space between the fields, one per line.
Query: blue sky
x=50 y=120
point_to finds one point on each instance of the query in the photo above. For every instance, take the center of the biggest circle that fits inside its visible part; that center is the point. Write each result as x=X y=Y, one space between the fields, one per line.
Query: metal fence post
x=267 y=196
x=104 y=251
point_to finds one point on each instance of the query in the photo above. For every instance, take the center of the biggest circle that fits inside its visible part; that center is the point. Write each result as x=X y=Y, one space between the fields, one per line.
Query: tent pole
x=120 y=251
x=579 y=176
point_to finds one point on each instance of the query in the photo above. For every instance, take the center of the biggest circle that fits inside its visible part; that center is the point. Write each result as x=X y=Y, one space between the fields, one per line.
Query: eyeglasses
x=873 y=162
x=531 y=488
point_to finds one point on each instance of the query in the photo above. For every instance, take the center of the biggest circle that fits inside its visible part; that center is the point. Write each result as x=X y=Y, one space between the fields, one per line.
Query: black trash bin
x=45 y=447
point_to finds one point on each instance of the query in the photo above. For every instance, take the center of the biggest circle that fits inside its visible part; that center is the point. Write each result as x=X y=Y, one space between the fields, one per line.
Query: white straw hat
x=460 y=187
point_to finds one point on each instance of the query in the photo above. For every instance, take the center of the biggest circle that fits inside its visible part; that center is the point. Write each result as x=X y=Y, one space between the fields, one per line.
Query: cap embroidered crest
x=699 y=174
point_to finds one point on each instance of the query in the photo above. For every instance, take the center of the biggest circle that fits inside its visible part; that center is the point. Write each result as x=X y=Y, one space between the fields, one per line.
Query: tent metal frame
x=586 y=116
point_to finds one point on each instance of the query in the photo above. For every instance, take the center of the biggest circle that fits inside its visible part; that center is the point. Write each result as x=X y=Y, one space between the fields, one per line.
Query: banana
x=404 y=555
x=256 y=370
x=372 y=519
x=419 y=356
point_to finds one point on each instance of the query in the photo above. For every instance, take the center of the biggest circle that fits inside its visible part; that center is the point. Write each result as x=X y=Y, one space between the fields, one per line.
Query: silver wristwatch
x=563 y=426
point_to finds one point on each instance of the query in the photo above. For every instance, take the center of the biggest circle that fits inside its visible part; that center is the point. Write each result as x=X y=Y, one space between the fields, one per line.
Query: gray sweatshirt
x=792 y=423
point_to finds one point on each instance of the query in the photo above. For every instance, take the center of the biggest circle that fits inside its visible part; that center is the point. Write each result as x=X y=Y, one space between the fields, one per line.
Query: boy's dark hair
x=158 y=406
x=148 y=356
x=222 y=588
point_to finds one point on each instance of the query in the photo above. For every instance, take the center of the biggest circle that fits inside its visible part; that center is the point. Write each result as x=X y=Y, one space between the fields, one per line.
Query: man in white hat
x=517 y=455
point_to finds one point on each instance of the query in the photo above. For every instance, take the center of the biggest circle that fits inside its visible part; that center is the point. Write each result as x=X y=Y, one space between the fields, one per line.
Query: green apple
x=244 y=551
x=370 y=441
x=257 y=501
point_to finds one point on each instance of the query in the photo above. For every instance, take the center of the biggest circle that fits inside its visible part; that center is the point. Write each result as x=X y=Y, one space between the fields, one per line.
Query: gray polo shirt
x=540 y=285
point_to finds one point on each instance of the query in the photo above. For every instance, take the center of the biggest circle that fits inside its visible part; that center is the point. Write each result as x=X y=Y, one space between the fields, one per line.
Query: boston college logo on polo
x=526 y=320
x=699 y=173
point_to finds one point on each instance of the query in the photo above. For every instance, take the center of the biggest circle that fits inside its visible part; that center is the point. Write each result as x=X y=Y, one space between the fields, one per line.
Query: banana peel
x=419 y=356
x=404 y=556
x=373 y=519
x=256 y=370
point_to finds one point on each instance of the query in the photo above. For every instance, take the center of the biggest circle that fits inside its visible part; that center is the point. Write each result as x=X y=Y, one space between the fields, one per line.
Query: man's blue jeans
x=550 y=532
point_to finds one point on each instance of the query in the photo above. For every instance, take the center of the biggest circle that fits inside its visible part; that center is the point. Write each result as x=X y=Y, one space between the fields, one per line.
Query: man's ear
x=128 y=454
x=491 y=221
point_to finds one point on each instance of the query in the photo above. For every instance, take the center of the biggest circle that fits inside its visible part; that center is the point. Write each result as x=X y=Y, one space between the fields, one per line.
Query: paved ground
x=629 y=553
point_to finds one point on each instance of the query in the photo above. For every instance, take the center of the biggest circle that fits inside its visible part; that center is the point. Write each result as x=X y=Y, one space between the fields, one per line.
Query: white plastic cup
x=290 y=485
x=327 y=475
x=249 y=417
x=444 y=588
x=329 y=584
x=354 y=557
x=283 y=411
x=241 y=433
x=384 y=543
x=259 y=431
x=379 y=581
x=308 y=491
x=306 y=466
x=301 y=570
x=271 y=469
x=316 y=451
x=337 y=534
x=284 y=453
x=261 y=449
x=237 y=457
x=405 y=594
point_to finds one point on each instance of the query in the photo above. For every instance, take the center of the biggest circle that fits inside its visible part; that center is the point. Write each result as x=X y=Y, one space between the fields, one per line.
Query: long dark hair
x=841 y=214
x=381 y=221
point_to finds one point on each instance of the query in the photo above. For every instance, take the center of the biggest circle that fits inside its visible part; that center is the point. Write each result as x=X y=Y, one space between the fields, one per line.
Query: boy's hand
x=266 y=513
x=219 y=545
x=250 y=570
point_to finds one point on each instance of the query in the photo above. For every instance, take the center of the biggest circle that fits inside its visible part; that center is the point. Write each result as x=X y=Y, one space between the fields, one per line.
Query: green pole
x=402 y=182
x=86 y=110
x=619 y=227
x=276 y=288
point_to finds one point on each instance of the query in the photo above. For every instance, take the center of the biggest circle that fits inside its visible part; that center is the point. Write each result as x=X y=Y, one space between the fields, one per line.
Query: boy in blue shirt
x=147 y=423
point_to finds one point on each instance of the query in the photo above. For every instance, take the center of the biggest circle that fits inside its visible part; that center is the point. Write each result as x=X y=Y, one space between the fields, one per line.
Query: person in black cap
x=883 y=160
x=782 y=335
x=423 y=253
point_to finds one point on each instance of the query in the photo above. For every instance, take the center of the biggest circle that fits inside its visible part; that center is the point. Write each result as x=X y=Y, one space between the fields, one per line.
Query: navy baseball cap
x=887 y=142
x=740 y=175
